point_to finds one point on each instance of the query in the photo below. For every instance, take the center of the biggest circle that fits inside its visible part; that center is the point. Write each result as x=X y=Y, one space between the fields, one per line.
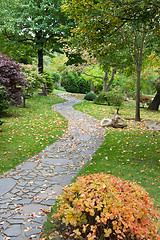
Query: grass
x=131 y=153
x=27 y=131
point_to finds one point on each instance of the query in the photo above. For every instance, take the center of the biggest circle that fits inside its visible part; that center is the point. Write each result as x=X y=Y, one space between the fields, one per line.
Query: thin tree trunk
x=137 y=117
x=24 y=101
x=138 y=52
x=156 y=102
x=105 y=82
x=111 y=80
x=40 y=60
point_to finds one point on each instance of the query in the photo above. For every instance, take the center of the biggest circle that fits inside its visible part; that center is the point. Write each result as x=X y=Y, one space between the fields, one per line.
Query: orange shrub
x=100 y=206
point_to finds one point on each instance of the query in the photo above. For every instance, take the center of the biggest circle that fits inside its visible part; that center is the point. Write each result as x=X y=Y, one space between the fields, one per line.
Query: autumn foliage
x=12 y=79
x=100 y=206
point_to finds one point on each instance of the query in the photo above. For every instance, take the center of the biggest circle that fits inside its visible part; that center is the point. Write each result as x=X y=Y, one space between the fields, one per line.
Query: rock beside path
x=155 y=126
x=115 y=122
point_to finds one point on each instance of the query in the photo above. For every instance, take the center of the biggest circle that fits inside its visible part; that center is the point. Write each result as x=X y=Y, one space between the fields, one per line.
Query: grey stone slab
x=40 y=220
x=16 y=177
x=20 y=216
x=64 y=179
x=13 y=231
x=15 y=190
x=9 y=196
x=5 y=215
x=59 y=169
x=23 y=201
x=17 y=238
x=49 y=202
x=15 y=221
x=6 y=200
x=32 y=208
x=39 y=183
x=6 y=184
x=5 y=225
x=32 y=231
x=22 y=183
x=54 y=161
x=1 y=238
x=3 y=206
x=27 y=166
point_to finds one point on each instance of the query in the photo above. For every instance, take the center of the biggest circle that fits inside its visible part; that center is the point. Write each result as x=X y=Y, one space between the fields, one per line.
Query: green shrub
x=111 y=98
x=74 y=83
x=49 y=82
x=34 y=78
x=55 y=77
x=101 y=99
x=58 y=86
x=90 y=96
x=100 y=206
x=4 y=104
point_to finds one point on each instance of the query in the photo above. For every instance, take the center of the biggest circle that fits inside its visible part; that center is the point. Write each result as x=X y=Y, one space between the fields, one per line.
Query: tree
x=12 y=79
x=39 y=23
x=120 y=33
x=156 y=101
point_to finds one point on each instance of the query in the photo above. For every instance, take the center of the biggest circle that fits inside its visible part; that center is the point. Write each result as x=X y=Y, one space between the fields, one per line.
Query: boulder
x=118 y=122
x=106 y=122
x=115 y=122
x=155 y=126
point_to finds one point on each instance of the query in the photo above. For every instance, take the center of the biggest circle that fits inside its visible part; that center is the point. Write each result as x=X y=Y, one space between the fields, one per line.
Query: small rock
x=106 y=122
x=118 y=122
x=155 y=126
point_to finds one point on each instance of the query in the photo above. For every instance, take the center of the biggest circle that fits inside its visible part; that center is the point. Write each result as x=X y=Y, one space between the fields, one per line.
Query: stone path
x=27 y=192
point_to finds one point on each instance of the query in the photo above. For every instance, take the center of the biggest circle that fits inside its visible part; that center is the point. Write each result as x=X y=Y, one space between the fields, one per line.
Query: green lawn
x=26 y=131
x=132 y=153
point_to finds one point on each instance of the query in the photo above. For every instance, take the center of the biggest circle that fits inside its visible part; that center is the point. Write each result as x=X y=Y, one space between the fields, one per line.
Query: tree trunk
x=40 y=59
x=156 y=102
x=24 y=101
x=111 y=80
x=105 y=82
x=40 y=69
x=137 y=117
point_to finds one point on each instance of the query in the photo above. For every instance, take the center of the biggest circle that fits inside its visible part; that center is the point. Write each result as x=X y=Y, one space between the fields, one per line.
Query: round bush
x=111 y=98
x=90 y=96
x=100 y=206
x=55 y=77
x=74 y=83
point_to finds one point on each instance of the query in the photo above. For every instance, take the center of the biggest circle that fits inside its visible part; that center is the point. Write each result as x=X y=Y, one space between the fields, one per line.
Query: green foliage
x=111 y=98
x=4 y=104
x=34 y=78
x=100 y=206
x=74 y=83
x=49 y=81
x=57 y=86
x=33 y=24
x=55 y=76
x=12 y=79
x=90 y=96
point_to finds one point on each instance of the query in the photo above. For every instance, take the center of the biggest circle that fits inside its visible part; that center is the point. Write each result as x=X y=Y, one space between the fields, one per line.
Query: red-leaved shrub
x=100 y=206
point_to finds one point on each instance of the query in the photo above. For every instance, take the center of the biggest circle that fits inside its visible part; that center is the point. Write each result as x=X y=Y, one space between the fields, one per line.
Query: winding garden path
x=27 y=192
